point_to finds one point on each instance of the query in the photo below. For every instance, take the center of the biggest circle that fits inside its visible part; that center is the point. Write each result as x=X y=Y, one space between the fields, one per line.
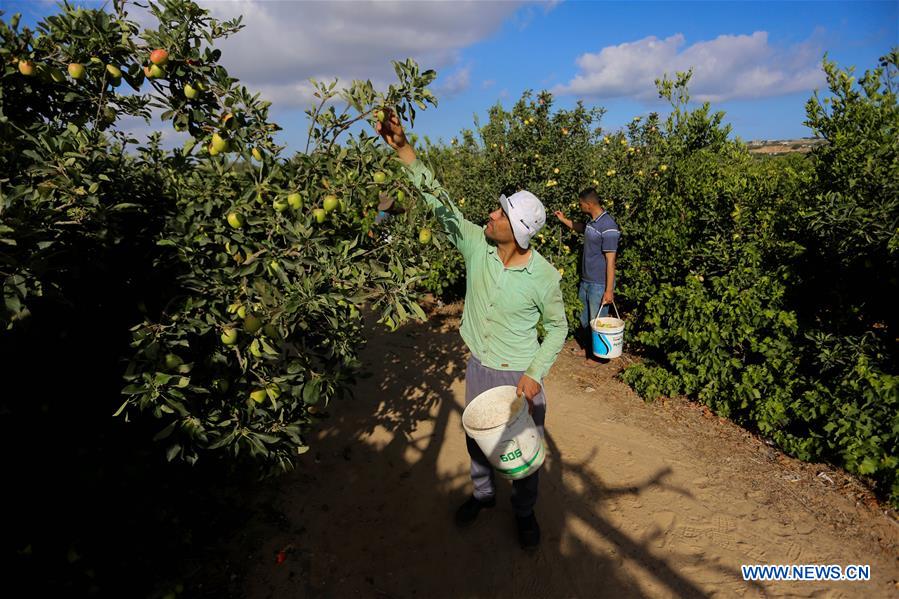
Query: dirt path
x=637 y=500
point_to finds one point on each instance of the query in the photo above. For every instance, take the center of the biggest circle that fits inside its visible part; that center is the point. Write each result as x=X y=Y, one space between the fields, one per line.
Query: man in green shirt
x=509 y=287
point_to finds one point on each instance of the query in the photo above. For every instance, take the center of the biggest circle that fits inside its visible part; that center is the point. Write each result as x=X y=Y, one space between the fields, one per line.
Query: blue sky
x=758 y=61
x=543 y=54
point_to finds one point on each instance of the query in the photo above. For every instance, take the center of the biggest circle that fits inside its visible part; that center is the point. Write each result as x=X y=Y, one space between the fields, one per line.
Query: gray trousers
x=479 y=378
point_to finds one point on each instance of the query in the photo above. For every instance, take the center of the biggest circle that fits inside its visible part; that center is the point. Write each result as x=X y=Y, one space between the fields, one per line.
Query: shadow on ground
x=372 y=513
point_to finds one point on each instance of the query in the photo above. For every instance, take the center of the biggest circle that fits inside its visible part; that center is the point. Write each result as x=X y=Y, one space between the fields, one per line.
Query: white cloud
x=283 y=44
x=138 y=128
x=454 y=83
x=727 y=67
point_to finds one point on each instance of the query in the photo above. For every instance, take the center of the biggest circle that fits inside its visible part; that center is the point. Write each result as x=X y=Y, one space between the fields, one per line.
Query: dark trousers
x=479 y=378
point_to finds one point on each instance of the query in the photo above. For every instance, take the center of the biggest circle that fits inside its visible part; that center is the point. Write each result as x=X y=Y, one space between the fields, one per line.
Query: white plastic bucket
x=500 y=424
x=608 y=335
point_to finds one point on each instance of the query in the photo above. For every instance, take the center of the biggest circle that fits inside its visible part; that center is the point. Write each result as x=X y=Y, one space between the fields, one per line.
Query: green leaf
x=121 y=408
x=311 y=392
x=164 y=433
x=223 y=440
x=868 y=466
x=13 y=304
x=172 y=452
x=427 y=77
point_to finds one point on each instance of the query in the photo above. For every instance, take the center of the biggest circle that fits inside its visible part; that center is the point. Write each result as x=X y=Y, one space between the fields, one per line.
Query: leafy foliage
x=246 y=319
x=762 y=288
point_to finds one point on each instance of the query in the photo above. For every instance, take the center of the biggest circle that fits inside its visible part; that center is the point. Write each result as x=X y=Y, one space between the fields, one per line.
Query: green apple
x=295 y=200
x=219 y=143
x=229 y=336
x=379 y=177
x=330 y=202
x=235 y=220
x=252 y=324
x=114 y=71
x=242 y=312
x=259 y=395
x=424 y=236
x=155 y=71
x=319 y=215
x=76 y=70
x=400 y=195
x=190 y=92
x=173 y=361
x=280 y=205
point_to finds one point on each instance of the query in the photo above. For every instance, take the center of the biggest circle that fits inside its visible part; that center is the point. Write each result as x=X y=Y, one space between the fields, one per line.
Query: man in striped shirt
x=601 y=234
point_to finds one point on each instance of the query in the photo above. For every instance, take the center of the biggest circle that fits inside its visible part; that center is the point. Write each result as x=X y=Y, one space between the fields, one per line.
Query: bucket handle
x=614 y=306
x=524 y=397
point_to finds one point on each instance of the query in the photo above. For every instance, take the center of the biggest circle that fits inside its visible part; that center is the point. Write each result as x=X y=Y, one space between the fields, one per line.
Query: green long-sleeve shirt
x=502 y=305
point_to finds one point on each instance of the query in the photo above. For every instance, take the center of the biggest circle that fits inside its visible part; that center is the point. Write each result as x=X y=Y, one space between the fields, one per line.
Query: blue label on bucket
x=601 y=344
x=607 y=345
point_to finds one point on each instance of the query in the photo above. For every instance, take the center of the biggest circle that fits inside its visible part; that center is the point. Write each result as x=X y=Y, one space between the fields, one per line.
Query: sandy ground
x=637 y=500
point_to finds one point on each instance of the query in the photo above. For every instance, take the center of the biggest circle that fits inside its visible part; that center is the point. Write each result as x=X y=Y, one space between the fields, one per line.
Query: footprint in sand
x=720 y=532
x=664 y=524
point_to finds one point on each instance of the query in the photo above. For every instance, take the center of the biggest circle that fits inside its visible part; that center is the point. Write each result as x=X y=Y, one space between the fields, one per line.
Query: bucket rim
x=607 y=320
x=479 y=398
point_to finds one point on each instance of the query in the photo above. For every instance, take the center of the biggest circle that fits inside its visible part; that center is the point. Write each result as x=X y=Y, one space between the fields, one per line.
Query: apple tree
x=254 y=267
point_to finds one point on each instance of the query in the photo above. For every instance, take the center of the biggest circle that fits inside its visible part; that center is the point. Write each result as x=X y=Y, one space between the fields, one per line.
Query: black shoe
x=528 y=531
x=468 y=511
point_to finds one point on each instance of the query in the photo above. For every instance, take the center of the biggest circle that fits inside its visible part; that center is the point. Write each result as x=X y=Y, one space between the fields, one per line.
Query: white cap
x=526 y=213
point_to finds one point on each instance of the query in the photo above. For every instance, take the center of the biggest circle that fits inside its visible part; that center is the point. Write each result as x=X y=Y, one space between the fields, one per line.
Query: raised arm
x=464 y=234
x=391 y=130
x=579 y=227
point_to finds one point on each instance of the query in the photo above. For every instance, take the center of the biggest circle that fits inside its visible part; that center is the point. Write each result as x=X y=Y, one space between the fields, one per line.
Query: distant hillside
x=784 y=146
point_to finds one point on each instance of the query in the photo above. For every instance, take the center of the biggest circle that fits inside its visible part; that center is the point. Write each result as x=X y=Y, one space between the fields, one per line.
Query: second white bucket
x=500 y=424
x=608 y=335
